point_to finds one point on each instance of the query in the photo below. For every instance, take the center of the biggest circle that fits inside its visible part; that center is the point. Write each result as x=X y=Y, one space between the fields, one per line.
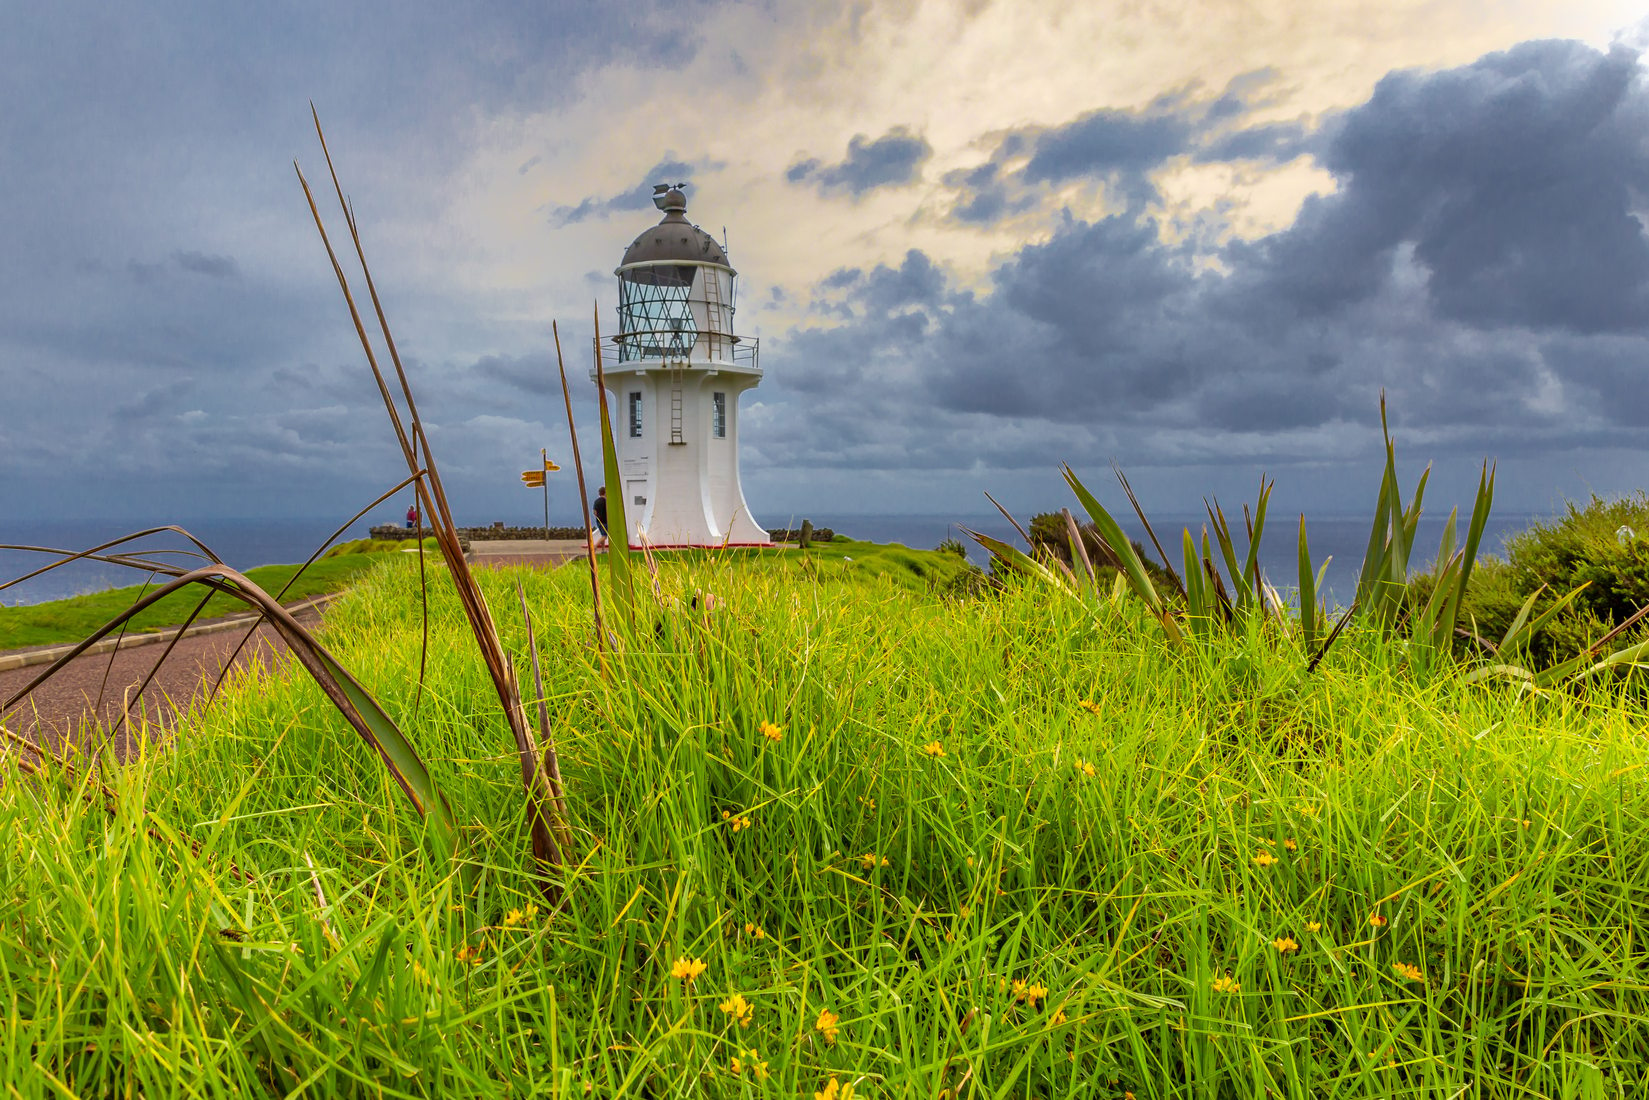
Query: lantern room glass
x=654 y=317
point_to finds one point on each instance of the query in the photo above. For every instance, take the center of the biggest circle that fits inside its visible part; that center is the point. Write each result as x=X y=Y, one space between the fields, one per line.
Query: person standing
x=412 y=516
x=600 y=510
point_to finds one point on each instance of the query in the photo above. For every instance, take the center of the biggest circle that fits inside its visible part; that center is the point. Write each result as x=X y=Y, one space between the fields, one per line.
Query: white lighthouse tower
x=676 y=370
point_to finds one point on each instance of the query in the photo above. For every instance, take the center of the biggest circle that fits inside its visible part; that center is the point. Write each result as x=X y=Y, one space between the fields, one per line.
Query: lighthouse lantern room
x=675 y=370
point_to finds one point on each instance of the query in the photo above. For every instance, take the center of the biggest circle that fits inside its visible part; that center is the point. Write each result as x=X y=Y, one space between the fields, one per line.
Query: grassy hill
x=838 y=832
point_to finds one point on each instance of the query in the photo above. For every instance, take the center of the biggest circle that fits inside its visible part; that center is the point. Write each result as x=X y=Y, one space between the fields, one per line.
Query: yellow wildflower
x=934 y=748
x=739 y=1010
x=1313 y=926
x=770 y=731
x=1263 y=858
x=870 y=861
x=520 y=916
x=1086 y=768
x=758 y=1070
x=1308 y=810
x=1377 y=921
x=1057 y=1018
x=1290 y=845
x=1285 y=944
x=751 y=928
x=1089 y=705
x=1225 y=984
x=467 y=954
x=687 y=969
x=735 y=1067
x=1411 y=973
x=834 y=1090
x=828 y=1024
x=740 y=823
x=1028 y=992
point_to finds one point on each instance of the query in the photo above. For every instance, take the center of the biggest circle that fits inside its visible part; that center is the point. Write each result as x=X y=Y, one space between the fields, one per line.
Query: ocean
x=242 y=543
x=245 y=543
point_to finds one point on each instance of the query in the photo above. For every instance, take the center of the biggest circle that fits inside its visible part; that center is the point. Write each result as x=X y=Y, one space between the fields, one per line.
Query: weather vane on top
x=661 y=193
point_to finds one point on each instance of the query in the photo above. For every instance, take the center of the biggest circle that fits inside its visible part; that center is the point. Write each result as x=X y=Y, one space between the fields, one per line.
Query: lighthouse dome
x=675 y=238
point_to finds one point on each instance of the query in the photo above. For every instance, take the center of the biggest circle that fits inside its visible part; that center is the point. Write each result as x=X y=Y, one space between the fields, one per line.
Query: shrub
x=1580 y=547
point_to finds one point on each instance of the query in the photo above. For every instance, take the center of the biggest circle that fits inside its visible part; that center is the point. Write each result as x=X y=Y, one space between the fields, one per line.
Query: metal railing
x=666 y=345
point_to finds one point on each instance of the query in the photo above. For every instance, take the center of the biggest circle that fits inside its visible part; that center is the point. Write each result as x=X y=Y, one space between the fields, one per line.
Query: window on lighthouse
x=718 y=415
x=635 y=415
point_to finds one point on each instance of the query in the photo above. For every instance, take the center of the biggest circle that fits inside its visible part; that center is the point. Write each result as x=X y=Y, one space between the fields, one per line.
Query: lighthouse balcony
x=664 y=348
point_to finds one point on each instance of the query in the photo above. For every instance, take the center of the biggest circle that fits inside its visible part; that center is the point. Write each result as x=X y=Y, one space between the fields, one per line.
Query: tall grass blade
x=583 y=490
x=1150 y=532
x=1256 y=532
x=1228 y=552
x=1016 y=559
x=1227 y=611
x=551 y=836
x=500 y=668
x=1196 y=590
x=1079 y=549
x=619 y=564
x=1474 y=539
x=1111 y=534
x=1308 y=592
x=1333 y=636
x=1009 y=517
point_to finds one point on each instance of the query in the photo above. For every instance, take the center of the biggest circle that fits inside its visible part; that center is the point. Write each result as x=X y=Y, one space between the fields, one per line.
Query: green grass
x=1120 y=823
x=379 y=546
x=62 y=622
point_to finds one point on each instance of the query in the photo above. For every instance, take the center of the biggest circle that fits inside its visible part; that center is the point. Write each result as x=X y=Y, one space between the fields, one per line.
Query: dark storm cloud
x=1482 y=260
x=893 y=159
x=528 y=373
x=162 y=294
x=1121 y=149
x=1518 y=181
x=1106 y=141
x=1277 y=142
x=636 y=197
x=218 y=267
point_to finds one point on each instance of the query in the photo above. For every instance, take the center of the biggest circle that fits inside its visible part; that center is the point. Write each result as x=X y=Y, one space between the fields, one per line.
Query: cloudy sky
x=1195 y=237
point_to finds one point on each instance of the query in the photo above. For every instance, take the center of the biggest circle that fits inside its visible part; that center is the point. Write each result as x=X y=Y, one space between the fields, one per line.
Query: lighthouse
x=675 y=370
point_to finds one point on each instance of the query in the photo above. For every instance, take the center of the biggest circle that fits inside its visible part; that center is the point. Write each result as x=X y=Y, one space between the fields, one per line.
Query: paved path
x=545 y=553
x=93 y=688
x=63 y=707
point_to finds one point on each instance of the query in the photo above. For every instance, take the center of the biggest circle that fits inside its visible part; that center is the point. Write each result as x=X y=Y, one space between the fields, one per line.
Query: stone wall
x=498 y=532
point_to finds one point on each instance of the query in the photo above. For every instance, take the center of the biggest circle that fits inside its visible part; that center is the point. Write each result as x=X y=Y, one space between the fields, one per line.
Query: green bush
x=1579 y=548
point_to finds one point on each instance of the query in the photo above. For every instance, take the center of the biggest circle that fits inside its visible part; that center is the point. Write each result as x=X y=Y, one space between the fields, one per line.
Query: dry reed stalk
x=551 y=835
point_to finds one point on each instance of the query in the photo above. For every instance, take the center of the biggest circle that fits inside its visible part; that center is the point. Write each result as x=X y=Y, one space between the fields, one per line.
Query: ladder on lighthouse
x=713 y=334
x=675 y=406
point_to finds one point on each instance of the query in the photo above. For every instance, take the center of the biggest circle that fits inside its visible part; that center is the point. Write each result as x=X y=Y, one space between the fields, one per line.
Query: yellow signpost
x=534 y=479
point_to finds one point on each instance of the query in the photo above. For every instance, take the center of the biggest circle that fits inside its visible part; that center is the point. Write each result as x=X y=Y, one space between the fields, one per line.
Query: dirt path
x=61 y=708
